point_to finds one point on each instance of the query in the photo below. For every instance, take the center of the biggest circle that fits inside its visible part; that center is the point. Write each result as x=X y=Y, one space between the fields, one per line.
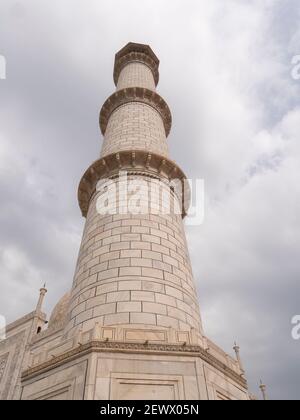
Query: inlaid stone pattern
x=12 y=352
x=3 y=362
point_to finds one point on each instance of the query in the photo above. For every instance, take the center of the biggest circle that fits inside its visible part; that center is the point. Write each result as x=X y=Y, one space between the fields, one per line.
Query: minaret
x=236 y=349
x=134 y=270
x=263 y=389
x=130 y=327
x=39 y=318
x=43 y=292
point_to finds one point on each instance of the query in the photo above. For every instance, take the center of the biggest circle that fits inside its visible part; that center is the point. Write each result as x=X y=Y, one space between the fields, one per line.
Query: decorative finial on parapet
x=43 y=292
x=236 y=348
x=263 y=389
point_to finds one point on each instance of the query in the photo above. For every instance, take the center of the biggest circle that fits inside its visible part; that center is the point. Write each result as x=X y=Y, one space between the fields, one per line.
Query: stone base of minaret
x=130 y=364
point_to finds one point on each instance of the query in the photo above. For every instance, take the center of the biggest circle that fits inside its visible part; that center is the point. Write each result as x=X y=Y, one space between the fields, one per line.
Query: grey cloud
x=225 y=74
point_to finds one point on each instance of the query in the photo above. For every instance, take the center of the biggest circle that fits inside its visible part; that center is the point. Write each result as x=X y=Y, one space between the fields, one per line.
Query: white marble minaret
x=130 y=328
x=134 y=270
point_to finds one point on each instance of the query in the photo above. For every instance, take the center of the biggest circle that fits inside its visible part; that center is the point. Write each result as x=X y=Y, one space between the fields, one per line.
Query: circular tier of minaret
x=133 y=270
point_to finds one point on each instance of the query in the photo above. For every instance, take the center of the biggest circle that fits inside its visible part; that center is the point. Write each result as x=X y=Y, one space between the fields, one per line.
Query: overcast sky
x=226 y=74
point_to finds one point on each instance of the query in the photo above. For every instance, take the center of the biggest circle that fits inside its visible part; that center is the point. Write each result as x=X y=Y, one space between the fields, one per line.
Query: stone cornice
x=136 y=57
x=136 y=162
x=136 y=52
x=16 y=346
x=133 y=348
x=135 y=94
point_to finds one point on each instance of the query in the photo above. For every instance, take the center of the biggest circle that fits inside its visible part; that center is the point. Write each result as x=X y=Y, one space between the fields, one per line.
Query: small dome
x=59 y=313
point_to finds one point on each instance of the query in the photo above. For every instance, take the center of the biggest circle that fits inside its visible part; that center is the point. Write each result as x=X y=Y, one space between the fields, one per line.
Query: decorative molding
x=3 y=363
x=135 y=57
x=157 y=167
x=16 y=345
x=135 y=348
x=136 y=52
x=135 y=94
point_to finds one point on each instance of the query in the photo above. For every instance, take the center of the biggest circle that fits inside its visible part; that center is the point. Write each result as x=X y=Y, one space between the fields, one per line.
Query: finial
x=236 y=348
x=43 y=288
x=43 y=291
x=263 y=389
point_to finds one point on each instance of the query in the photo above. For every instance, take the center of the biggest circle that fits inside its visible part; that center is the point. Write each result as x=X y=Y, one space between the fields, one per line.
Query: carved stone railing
x=135 y=94
x=136 y=57
x=104 y=339
x=137 y=162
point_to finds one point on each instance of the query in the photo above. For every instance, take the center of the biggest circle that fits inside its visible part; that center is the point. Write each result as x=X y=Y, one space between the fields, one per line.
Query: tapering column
x=43 y=292
x=134 y=269
x=263 y=389
x=236 y=349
